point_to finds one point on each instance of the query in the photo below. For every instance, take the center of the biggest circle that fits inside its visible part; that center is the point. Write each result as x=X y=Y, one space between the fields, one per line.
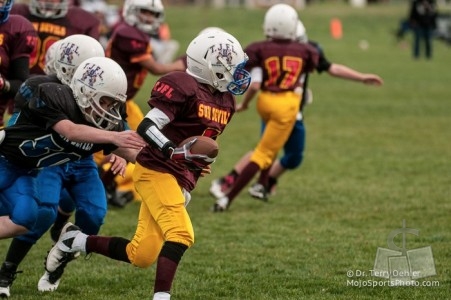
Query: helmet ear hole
x=219 y=75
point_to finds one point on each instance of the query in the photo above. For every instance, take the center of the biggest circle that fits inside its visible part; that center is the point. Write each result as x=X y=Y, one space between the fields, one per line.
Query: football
x=203 y=145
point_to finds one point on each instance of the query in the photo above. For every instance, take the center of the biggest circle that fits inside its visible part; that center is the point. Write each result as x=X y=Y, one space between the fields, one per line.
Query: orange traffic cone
x=336 y=30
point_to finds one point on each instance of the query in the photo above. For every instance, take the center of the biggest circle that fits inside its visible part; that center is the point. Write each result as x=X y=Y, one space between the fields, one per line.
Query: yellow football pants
x=162 y=216
x=278 y=111
x=124 y=184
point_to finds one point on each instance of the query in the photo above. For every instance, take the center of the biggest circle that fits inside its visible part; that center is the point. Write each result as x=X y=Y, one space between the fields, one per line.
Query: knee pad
x=291 y=161
x=46 y=215
x=174 y=251
x=66 y=202
x=90 y=220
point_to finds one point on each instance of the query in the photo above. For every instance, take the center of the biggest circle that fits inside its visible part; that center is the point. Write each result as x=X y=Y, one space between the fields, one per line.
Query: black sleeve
x=19 y=73
x=153 y=136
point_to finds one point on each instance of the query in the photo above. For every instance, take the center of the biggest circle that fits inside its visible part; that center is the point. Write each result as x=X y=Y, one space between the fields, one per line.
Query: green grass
x=374 y=157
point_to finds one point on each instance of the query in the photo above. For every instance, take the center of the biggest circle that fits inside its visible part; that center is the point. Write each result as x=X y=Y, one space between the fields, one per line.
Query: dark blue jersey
x=32 y=143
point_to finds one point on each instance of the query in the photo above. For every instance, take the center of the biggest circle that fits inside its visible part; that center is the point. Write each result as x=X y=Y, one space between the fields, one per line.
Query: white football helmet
x=50 y=56
x=217 y=58
x=133 y=16
x=301 y=33
x=281 y=21
x=49 y=9
x=210 y=29
x=72 y=51
x=94 y=79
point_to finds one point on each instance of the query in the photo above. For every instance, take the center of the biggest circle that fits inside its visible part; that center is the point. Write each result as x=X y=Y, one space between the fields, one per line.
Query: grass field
x=374 y=157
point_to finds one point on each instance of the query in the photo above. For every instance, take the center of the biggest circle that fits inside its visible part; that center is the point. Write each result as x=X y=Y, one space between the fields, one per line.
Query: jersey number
x=289 y=66
x=48 y=152
x=38 y=54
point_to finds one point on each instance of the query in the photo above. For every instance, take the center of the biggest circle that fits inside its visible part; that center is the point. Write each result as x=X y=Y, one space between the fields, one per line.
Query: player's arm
x=128 y=154
x=156 y=68
x=87 y=134
x=254 y=87
x=150 y=130
x=19 y=73
x=345 y=72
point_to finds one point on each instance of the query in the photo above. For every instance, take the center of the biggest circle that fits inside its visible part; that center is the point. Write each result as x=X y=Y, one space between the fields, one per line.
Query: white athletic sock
x=161 y=296
x=79 y=243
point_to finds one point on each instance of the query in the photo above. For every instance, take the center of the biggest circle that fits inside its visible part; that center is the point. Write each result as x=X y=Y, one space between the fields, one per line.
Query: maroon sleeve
x=171 y=91
x=83 y=22
x=128 y=40
x=18 y=40
x=252 y=53
x=25 y=37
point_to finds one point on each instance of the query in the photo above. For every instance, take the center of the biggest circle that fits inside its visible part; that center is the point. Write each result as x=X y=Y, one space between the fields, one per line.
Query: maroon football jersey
x=282 y=62
x=128 y=46
x=17 y=39
x=77 y=21
x=193 y=110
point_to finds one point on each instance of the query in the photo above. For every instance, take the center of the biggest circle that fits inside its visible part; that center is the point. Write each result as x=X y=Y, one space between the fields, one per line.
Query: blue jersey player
x=61 y=124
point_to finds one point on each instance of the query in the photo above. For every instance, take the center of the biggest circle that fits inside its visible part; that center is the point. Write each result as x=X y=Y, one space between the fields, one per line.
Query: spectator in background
x=422 y=17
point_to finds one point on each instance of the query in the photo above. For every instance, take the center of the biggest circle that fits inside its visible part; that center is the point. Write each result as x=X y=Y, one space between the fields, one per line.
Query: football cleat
x=8 y=273
x=49 y=282
x=258 y=191
x=220 y=205
x=57 y=259
x=219 y=187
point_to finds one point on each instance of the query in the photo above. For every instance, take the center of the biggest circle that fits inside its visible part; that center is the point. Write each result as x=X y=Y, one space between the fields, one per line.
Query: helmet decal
x=225 y=52
x=74 y=50
x=92 y=73
x=67 y=55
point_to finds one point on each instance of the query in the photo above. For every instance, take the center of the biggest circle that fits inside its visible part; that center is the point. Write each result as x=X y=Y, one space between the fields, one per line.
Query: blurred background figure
x=131 y=47
x=164 y=48
x=54 y=21
x=423 y=17
x=108 y=15
x=18 y=39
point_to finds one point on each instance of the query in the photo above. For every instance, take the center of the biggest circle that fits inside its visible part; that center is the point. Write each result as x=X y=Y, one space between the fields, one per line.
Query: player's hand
x=191 y=161
x=205 y=171
x=4 y=84
x=129 y=139
x=118 y=164
x=372 y=79
x=241 y=107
